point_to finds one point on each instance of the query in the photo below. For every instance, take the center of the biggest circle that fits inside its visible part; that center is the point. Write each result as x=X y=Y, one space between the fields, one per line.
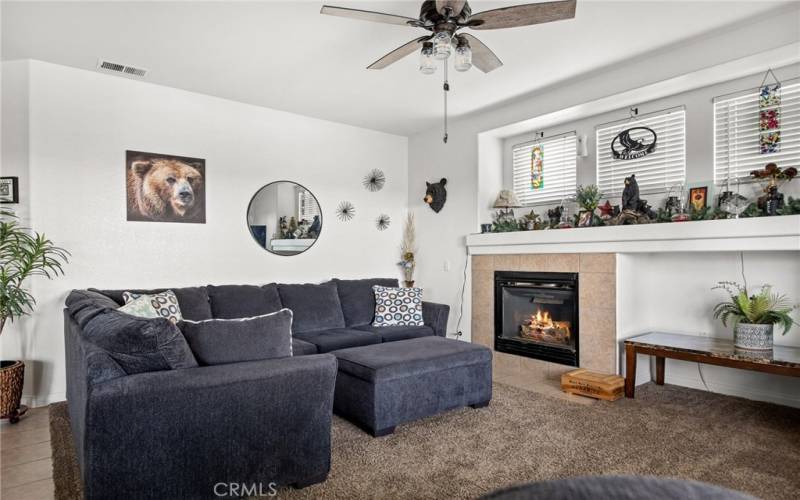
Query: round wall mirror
x=284 y=218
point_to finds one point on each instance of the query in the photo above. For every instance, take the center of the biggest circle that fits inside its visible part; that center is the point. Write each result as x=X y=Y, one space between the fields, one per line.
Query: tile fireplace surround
x=597 y=309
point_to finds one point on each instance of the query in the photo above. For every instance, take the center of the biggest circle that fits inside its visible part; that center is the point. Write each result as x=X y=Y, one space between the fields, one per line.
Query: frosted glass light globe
x=442 y=45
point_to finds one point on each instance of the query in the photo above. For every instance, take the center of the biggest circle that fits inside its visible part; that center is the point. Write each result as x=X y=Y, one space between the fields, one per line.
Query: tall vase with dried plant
x=408 y=250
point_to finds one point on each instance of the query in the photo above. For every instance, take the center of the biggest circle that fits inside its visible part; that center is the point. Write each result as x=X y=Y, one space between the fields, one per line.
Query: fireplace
x=536 y=315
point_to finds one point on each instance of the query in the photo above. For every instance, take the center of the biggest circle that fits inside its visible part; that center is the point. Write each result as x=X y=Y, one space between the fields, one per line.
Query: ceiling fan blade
x=482 y=56
x=522 y=15
x=367 y=15
x=455 y=6
x=399 y=53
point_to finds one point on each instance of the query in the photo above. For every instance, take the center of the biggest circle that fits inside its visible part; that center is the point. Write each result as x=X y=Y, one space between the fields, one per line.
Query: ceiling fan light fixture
x=443 y=19
x=442 y=45
x=463 y=59
x=427 y=63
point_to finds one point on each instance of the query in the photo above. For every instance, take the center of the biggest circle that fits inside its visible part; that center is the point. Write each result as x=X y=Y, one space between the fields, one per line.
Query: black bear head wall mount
x=436 y=195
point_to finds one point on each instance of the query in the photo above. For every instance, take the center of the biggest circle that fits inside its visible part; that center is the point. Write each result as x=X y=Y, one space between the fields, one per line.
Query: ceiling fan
x=444 y=19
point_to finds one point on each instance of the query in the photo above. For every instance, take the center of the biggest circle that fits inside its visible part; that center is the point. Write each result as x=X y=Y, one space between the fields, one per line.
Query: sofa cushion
x=83 y=305
x=243 y=301
x=139 y=344
x=303 y=348
x=338 y=338
x=159 y=305
x=192 y=300
x=100 y=366
x=220 y=341
x=315 y=307
x=398 y=306
x=393 y=333
x=410 y=358
x=358 y=299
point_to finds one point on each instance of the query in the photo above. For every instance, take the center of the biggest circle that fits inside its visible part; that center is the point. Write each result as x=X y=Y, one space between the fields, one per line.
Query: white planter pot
x=754 y=337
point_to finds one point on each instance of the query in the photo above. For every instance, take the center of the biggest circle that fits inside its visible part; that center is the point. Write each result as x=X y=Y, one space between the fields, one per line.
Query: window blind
x=307 y=205
x=556 y=173
x=737 y=149
x=657 y=171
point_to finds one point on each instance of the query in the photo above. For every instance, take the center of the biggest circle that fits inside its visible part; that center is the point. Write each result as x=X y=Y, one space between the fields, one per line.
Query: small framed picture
x=9 y=190
x=698 y=198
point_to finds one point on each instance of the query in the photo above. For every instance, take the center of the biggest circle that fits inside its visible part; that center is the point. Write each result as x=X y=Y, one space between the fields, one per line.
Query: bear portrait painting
x=165 y=188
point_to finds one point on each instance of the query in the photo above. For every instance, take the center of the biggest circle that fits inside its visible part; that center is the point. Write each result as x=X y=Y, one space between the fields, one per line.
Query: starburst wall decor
x=345 y=211
x=382 y=222
x=374 y=180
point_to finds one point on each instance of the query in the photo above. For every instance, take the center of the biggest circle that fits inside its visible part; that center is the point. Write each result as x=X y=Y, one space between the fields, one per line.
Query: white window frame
x=301 y=193
x=565 y=147
x=656 y=172
x=737 y=116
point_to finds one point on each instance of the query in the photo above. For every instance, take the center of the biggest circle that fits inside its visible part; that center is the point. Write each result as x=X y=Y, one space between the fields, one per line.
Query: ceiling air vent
x=113 y=67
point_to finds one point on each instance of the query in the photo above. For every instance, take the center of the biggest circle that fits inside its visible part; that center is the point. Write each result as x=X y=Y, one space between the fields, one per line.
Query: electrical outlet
x=446 y=266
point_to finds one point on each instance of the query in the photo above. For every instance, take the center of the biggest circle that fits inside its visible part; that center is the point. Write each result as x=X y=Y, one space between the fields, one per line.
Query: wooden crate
x=594 y=385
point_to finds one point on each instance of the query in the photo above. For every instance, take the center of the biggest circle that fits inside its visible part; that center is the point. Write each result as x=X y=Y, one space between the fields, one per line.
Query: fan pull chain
x=446 y=88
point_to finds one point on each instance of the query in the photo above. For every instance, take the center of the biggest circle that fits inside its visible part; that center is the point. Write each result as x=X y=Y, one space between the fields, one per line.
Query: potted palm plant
x=23 y=254
x=753 y=315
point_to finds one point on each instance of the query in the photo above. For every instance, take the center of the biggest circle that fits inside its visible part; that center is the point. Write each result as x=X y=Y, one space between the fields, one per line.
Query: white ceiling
x=285 y=55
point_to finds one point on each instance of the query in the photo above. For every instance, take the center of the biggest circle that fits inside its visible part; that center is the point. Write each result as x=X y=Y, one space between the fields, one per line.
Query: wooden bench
x=713 y=351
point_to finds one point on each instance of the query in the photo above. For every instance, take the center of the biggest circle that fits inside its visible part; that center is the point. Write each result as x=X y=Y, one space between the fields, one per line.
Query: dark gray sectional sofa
x=348 y=323
x=177 y=433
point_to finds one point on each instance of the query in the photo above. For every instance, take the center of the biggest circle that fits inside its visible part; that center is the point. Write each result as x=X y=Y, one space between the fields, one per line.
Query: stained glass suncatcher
x=537 y=167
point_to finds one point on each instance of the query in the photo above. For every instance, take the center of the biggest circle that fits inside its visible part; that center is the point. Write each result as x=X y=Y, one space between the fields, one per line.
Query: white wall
x=470 y=159
x=81 y=123
x=14 y=131
x=671 y=292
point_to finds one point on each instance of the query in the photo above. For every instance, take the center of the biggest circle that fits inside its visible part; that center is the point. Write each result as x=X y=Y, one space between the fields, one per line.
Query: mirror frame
x=252 y=236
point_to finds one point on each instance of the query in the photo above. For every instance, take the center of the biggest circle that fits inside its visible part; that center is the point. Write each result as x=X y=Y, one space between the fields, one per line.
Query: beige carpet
x=526 y=436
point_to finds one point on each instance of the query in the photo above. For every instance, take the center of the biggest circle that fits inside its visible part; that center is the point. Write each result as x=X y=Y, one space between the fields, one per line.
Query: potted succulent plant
x=23 y=253
x=753 y=315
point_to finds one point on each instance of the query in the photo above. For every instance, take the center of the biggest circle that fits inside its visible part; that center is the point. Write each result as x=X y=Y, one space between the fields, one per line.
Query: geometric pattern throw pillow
x=398 y=306
x=140 y=307
x=164 y=304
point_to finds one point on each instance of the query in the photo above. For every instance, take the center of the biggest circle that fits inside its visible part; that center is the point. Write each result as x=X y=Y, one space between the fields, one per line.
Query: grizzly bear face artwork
x=164 y=188
x=436 y=195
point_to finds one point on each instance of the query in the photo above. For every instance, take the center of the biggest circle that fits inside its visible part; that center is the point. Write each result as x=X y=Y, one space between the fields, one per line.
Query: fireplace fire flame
x=540 y=326
x=541 y=318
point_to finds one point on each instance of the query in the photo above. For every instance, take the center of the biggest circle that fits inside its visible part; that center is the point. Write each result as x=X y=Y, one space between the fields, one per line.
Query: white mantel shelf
x=731 y=235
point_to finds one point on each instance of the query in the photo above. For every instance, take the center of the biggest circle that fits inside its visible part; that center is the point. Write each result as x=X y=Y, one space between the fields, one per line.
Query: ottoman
x=382 y=385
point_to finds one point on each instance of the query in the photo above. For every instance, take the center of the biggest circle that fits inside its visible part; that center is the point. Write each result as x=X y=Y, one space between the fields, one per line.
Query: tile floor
x=26 y=470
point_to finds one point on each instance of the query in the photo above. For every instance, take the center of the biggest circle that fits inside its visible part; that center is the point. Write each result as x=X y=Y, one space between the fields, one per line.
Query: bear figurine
x=554 y=215
x=630 y=195
x=313 y=231
x=436 y=195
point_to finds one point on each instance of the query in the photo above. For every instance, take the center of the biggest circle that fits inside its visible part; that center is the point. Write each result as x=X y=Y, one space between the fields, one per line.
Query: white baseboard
x=39 y=401
x=734 y=390
x=645 y=372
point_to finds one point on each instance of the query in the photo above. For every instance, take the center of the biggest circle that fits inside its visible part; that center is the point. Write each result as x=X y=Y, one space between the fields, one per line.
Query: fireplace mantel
x=751 y=234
